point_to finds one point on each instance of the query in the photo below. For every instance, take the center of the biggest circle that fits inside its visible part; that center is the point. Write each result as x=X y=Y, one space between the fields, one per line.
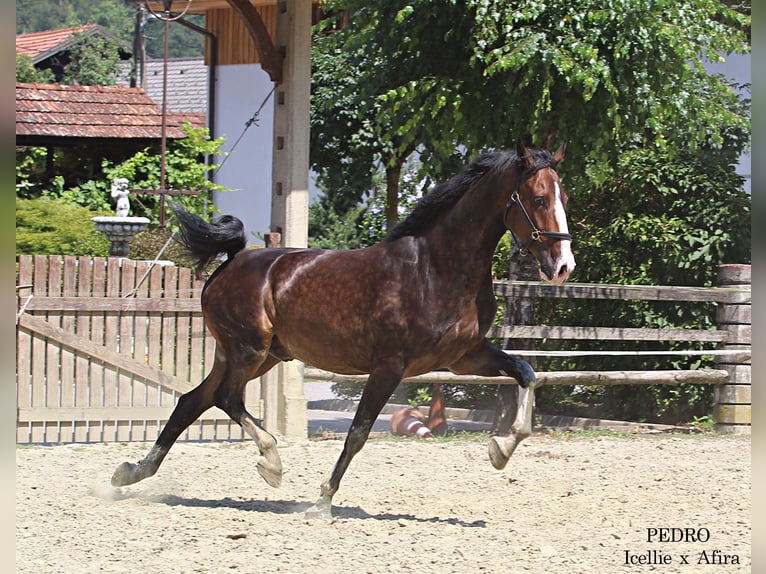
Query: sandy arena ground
x=581 y=504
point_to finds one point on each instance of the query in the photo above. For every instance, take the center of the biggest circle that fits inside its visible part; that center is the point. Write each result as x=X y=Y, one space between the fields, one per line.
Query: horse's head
x=536 y=212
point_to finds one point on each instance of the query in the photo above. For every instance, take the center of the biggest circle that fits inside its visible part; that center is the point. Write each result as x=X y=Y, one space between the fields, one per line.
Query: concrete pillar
x=732 y=407
x=283 y=387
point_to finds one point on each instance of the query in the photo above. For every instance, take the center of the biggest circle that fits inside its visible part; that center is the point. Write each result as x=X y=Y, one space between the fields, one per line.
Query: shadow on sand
x=285 y=507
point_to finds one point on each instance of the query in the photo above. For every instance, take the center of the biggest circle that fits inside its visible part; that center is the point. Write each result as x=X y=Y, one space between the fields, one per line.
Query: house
x=61 y=116
x=102 y=122
x=111 y=122
x=50 y=50
x=246 y=85
x=240 y=107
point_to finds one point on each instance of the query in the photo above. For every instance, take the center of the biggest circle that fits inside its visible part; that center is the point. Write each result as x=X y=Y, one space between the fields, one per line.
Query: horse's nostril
x=563 y=270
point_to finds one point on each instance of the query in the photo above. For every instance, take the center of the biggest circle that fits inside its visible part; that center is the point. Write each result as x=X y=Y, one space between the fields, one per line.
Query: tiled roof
x=41 y=45
x=187 y=83
x=113 y=112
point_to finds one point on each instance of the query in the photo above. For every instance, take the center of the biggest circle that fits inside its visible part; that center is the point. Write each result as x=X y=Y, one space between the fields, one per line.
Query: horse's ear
x=559 y=153
x=524 y=157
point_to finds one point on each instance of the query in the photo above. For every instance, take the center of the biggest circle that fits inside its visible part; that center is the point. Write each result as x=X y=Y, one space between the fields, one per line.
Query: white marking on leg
x=522 y=426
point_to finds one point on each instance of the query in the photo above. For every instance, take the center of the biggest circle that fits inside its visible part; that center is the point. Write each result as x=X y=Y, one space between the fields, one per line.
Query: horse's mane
x=445 y=195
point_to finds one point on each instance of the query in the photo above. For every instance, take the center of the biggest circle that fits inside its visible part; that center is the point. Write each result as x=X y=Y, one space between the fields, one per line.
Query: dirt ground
x=562 y=505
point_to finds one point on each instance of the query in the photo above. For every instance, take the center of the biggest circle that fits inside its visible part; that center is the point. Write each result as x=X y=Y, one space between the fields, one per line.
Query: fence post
x=732 y=403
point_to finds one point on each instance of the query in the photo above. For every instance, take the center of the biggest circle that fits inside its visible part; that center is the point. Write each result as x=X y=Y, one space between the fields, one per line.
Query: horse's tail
x=205 y=241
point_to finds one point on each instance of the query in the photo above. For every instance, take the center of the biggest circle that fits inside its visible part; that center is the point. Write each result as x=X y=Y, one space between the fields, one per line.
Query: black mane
x=445 y=195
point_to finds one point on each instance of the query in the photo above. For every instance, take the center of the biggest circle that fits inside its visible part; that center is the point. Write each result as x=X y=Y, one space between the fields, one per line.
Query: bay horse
x=420 y=300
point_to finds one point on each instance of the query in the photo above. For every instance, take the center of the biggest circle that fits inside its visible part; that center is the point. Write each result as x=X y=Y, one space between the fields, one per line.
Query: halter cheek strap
x=537 y=234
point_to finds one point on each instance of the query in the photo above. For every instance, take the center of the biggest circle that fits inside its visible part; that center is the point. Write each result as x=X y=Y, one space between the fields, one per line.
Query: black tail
x=205 y=241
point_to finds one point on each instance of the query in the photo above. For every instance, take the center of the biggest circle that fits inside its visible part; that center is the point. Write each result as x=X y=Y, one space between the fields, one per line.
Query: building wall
x=235 y=46
x=240 y=91
x=737 y=69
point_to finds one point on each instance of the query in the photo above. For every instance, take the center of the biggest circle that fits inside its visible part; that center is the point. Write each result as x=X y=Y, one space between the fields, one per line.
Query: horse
x=420 y=300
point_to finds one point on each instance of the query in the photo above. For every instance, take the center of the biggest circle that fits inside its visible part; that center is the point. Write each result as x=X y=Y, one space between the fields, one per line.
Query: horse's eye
x=539 y=202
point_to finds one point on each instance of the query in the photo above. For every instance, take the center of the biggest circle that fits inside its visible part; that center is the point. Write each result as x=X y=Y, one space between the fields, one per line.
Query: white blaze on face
x=566 y=259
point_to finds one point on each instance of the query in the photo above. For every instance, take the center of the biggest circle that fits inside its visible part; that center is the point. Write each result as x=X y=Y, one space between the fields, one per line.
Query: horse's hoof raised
x=496 y=455
x=272 y=476
x=125 y=474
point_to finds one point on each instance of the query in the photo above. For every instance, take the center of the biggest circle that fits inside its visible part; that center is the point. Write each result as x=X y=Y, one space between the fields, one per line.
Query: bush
x=52 y=226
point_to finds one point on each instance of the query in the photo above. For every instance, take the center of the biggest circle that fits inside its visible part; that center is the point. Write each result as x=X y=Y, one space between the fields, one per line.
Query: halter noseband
x=515 y=199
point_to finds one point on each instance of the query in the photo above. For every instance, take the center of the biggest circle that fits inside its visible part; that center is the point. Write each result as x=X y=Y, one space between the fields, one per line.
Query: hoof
x=496 y=455
x=125 y=474
x=271 y=473
x=322 y=510
x=501 y=448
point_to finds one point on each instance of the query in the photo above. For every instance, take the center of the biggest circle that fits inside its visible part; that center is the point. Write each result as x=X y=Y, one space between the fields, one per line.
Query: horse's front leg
x=488 y=361
x=501 y=447
x=380 y=385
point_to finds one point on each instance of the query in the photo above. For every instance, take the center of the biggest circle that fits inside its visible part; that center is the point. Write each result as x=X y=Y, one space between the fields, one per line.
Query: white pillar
x=283 y=387
x=290 y=195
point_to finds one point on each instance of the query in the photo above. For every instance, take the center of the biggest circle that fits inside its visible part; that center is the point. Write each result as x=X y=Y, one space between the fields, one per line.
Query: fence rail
x=583 y=378
x=105 y=347
x=730 y=342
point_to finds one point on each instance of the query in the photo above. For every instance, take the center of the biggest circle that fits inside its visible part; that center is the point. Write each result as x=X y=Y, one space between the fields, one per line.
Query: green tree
x=26 y=71
x=344 y=145
x=445 y=77
x=623 y=81
x=182 y=42
x=93 y=61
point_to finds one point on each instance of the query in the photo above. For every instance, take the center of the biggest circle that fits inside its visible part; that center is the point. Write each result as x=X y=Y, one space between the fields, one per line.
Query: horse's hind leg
x=230 y=399
x=188 y=409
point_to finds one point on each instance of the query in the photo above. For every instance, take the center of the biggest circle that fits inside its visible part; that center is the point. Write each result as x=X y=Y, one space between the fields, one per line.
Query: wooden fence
x=729 y=343
x=105 y=347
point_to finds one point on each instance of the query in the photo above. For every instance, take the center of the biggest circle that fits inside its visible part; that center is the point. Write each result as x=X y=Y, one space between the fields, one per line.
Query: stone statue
x=120 y=193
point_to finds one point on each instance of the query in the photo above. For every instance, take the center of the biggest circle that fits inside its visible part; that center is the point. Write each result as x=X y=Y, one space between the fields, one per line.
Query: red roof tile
x=40 y=45
x=56 y=110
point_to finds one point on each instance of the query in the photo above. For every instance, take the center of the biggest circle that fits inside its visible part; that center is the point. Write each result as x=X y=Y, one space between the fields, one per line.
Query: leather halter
x=537 y=234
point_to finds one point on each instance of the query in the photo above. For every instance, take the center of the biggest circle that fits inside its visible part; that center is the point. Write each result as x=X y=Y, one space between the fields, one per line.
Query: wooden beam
x=197 y=6
x=600 y=291
x=100 y=353
x=585 y=378
x=124 y=304
x=606 y=333
x=123 y=413
x=271 y=58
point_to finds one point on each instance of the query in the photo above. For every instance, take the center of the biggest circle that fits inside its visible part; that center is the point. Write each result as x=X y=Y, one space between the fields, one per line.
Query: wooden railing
x=729 y=343
x=105 y=347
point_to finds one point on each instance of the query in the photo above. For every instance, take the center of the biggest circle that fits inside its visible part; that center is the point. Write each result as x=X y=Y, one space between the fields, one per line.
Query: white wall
x=737 y=68
x=240 y=91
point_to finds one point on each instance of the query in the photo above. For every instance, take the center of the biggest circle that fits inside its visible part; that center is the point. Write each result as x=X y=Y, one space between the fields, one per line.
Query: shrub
x=52 y=226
